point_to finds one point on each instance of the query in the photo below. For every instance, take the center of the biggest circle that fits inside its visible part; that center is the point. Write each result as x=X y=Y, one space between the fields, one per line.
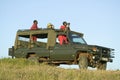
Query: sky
x=99 y=20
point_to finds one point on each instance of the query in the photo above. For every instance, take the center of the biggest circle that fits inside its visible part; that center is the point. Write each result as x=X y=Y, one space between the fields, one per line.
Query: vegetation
x=21 y=69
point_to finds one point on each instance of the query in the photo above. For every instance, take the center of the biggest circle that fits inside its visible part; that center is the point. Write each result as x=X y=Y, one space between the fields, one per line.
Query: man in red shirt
x=63 y=38
x=65 y=26
x=34 y=27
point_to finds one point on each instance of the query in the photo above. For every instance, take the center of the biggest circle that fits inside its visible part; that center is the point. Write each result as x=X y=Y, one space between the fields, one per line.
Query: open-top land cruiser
x=47 y=49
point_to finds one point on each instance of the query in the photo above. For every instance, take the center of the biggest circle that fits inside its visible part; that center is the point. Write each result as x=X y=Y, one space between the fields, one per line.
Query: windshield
x=76 y=38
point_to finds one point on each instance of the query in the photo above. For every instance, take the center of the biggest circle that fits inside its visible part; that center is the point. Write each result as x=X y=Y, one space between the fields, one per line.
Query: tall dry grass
x=21 y=69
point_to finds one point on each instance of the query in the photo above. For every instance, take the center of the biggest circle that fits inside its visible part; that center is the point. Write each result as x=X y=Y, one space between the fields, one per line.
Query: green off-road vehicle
x=47 y=49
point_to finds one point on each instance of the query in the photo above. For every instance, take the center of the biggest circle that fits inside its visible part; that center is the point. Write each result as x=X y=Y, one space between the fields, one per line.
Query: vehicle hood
x=81 y=46
x=99 y=47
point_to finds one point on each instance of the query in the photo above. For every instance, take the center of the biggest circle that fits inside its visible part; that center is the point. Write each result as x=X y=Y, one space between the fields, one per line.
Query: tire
x=83 y=62
x=32 y=58
x=102 y=66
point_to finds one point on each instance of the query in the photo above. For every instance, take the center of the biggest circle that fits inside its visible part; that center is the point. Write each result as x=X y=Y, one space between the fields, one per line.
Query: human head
x=35 y=22
x=49 y=25
x=65 y=23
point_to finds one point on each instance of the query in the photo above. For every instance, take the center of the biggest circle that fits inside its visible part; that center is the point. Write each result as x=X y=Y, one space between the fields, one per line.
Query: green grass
x=21 y=69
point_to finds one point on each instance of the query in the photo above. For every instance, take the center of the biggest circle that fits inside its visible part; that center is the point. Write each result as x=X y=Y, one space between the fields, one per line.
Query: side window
x=23 y=41
x=42 y=38
x=23 y=38
x=76 y=38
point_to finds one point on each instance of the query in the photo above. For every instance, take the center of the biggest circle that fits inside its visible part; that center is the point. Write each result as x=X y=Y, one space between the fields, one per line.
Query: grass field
x=21 y=69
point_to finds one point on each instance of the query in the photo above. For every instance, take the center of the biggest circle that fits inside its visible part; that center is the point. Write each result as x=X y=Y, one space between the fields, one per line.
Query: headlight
x=93 y=57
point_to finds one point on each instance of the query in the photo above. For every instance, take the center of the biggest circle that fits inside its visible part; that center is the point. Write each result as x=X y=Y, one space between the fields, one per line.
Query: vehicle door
x=62 y=52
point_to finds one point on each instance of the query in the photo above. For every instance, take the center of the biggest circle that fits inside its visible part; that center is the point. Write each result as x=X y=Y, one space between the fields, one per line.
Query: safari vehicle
x=47 y=49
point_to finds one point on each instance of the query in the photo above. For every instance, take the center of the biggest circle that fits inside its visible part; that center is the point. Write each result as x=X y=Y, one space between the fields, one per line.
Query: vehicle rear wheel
x=32 y=58
x=102 y=65
x=83 y=62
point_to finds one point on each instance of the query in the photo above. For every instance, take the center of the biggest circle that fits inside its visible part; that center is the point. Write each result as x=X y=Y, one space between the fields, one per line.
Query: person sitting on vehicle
x=63 y=38
x=34 y=27
x=50 y=26
x=65 y=27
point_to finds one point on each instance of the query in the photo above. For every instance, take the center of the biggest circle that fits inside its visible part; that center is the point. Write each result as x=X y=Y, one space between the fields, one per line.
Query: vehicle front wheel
x=83 y=62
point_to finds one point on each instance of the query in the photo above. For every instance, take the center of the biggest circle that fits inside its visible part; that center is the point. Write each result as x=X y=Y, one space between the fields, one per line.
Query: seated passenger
x=34 y=26
x=65 y=26
x=63 y=38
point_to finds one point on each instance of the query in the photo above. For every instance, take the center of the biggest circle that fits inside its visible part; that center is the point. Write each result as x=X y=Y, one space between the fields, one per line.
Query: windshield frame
x=76 y=35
